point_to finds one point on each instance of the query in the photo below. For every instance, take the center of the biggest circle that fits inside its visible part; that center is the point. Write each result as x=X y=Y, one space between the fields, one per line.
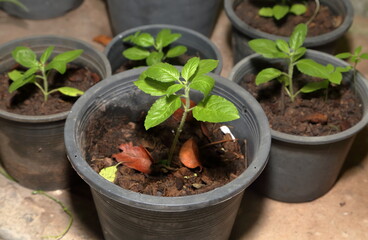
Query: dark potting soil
x=310 y=114
x=29 y=100
x=324 y=22
x=221 y=162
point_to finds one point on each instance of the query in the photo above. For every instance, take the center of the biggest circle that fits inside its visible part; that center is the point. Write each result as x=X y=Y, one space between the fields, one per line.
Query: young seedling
x=173 y=89
x=292 y=52
x=16 y=2
x=40 y=69
x=152 y=49
x=284 y=7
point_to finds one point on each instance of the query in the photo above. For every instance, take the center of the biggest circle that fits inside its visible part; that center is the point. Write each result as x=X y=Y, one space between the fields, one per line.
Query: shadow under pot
x=197 y=44
x=339 y=20
x=32 y=148
x=304 y=168
x=128 y=214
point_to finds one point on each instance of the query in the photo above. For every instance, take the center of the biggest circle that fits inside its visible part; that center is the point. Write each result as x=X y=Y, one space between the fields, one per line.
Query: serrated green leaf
x=143 y=40
x=283 y=45
x=299 y=53
x=190 y=68
x=312 y=68
x=215 y=109
x=298 y=36
x=109 y=173
x=335 y=77
x=69 y=91
x=174 y=88
x=203 y=83
x=154 y=57
x=280 y=11
x=164 y=38
x=343 y=55
x=330 y=67
x=59 y=66
x=136 y=53
x=161 y=110
x=298 y=9
x=314 y=86
x=206 y=66
x=267 y=74
x=265 y=12
x=266 y=48
x=163 y=72
x=68 y=56
x=176 y=51
x=152 y=87
x=25 y=57
x=46 y=54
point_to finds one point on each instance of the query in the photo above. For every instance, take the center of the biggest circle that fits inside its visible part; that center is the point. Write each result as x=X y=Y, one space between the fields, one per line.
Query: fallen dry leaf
x=102 y=39
x=317 y=118
x=136 y=157
x=189 y=154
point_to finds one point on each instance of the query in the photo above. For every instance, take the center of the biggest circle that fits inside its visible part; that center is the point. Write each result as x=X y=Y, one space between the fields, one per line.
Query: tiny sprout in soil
x=173 y=89
x=40 y=70
x=292 y=52
x=153 y=50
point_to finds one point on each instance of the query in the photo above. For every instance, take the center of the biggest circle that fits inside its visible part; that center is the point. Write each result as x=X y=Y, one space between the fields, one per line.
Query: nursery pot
x=125 y=214
x=303 y=168
x=32 y=147
x=199 y=16
x=197 y=44
x=242 y=33
x=41 y=9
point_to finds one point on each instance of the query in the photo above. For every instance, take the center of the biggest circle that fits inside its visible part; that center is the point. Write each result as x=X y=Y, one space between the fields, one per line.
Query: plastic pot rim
x=309 y=41
x=315 y=140
x=188 y=31
x=163 y=204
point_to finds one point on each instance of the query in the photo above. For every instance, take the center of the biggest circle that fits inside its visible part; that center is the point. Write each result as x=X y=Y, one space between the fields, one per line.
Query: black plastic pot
x=32 y=147
x=197 y=44
x=41 y=9
x=125 y=214
x=199 y=16
x=242 y=33
x=303 y=168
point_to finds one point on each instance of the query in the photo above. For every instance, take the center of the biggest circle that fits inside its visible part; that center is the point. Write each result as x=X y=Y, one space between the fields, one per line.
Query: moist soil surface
x=29 y=100
x=310 y=114
x=324 y=22
x=221 y=162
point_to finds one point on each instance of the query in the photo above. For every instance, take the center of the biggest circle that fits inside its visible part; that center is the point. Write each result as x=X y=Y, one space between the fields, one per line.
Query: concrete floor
x=341 y=214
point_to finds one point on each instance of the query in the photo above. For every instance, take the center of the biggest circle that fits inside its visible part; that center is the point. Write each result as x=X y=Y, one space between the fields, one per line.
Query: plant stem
x=45 y=84
x=290 y=76
x=181 y=125
x=5 y=174
x=318 y=5
x=65 y=209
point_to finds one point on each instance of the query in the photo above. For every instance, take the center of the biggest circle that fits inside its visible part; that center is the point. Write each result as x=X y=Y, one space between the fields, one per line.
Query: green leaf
x=312 y=68
x=143 y=40
x=343 y=69
x=267 y=74
x=335 y=77
x=279 y=11
x=314 y=86
x=265 y=12
x=164 y=38
x=161 y=110
x=15 y=75
x=266 y=48
x=59 y=66
x=109 y=173
x=154 y=57
x=298 y=36
x=190 y=68
x=69 y=91
x=27 y=77
x=206 y=66
x=203 y=83
x=46 y=54
x=358 y=50
x=283 y=45
x=163 y=72
x=152 y=87
x=136 y=53
x=68 y=56
x=215 y=109
x=25 y=57
x=344 y=55
x=299 y=53
x=298 y=9
x=176 y=51
x=364 y=56
x=174 y=88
